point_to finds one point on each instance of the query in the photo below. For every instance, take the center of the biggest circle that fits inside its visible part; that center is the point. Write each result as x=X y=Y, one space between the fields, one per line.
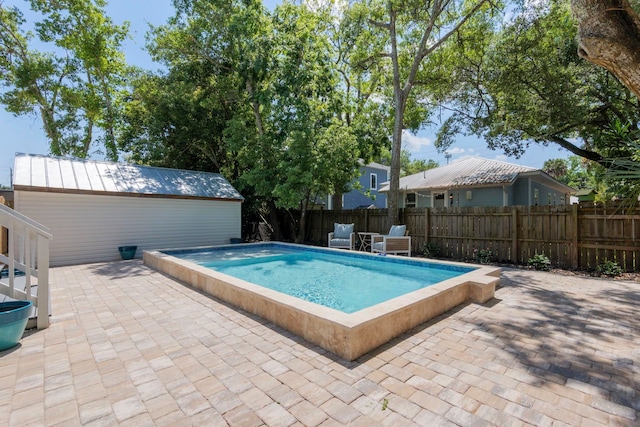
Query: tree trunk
x=396 y=150
x=609 y=36
x=398 y=123
x=336 y=202
x=302 y=226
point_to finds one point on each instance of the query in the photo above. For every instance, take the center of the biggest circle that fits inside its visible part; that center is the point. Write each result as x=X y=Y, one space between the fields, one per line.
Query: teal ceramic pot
x=13 y=320
x=127 y=252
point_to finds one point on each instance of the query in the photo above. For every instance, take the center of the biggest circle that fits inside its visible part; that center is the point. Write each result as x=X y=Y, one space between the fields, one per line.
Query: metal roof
x=470 y=171
x=375 y=165
x=62 y=174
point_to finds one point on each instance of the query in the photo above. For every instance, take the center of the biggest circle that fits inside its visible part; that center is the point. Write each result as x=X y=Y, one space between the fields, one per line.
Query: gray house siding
x=490 y=196
x=542 y=195
x=521 y=192
x=476 y=181
x=357 y=198
x=516 y=194
x=537 y=194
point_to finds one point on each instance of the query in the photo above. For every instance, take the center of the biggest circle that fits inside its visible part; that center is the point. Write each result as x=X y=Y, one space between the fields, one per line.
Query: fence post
x=515 y=256
x=427 y=225
x=322 y=233
x=576 y=252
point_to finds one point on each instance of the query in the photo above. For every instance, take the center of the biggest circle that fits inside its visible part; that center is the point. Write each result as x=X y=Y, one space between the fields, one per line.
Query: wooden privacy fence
x=573 y=237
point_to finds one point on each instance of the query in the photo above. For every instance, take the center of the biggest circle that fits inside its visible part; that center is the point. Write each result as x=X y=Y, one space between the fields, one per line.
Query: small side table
x=364 y=239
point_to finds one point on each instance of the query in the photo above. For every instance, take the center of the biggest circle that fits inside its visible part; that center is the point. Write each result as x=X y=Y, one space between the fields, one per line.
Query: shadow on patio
x=584 y=337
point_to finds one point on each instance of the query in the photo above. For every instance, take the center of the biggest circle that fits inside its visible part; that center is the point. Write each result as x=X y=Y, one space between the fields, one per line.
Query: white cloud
x=415 y=143
x=502 y=158
x=454 y=151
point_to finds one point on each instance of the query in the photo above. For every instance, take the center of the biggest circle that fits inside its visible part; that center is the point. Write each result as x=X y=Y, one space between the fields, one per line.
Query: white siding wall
x=89 y=228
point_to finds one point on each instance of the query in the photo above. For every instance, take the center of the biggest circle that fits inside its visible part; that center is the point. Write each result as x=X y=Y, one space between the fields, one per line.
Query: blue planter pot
x=13 y=320
x=127 y=252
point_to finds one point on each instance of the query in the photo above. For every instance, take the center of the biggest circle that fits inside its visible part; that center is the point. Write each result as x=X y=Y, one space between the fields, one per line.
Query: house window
x=374 y=181
x=535 y=196
x=469 y=195
x=548 y=198
x=410 y=200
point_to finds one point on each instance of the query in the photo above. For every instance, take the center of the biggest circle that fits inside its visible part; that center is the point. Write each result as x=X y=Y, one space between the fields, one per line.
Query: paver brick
x=342 y=391
x=276 y=415
x=308 y=414
x=340 y=411
x=129 y=346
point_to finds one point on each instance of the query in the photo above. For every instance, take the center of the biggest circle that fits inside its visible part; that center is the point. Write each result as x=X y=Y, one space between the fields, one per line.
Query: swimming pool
x=335 y=280
x=349 y=335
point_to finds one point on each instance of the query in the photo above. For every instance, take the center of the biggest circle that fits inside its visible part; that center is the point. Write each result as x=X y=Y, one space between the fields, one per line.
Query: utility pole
x=447 y=156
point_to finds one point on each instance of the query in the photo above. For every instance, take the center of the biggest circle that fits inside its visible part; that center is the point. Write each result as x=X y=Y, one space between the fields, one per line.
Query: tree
x=526 y=85
x=408 y=166
x=258 y=97
x=609 y=36
x=406 y=34
x=556 y=168
x=177 y=120
x=304 y=148
x=76 y=86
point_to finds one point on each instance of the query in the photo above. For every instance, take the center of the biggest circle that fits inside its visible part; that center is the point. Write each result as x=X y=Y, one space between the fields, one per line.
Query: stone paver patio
x=129 y=346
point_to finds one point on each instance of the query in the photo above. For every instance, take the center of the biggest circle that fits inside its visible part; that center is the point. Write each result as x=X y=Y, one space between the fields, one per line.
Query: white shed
x=91 y=207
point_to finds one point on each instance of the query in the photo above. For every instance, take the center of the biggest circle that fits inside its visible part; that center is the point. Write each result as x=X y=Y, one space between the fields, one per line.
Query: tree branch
x=609 y=36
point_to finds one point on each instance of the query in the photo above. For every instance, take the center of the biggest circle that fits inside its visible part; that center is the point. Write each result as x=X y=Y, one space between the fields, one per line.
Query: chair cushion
x=378 y=246
x=397 y=230
x=342 y=231
x=340 y=242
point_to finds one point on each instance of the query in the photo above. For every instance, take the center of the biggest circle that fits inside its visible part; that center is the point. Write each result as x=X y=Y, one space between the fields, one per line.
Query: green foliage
x=484 y=256
x=540 y=262
x=609 y=268
x=76 y=84
x=579 y=173
x=399 y=39
x=622 y=178
x=408 y=165
x=557 y=168
x=431 y=250
x=268 y=99
x=526 y=84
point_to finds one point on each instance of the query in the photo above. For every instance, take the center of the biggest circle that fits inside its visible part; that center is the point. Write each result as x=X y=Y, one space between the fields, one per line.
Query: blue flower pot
x=127 y=252
x=13 y=320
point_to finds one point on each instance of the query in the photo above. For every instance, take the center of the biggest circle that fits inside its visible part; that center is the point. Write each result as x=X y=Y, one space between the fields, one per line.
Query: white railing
x=28 y=253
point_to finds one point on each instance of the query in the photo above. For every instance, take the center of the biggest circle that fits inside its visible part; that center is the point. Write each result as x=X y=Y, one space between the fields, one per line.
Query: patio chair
x=342 y=237
x=396 y=242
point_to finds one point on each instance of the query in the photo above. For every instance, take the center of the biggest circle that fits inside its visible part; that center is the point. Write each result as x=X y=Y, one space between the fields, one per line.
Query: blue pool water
x=347 y=282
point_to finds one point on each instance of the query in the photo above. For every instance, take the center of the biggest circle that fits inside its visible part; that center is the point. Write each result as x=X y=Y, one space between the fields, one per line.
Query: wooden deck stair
x=24 y=267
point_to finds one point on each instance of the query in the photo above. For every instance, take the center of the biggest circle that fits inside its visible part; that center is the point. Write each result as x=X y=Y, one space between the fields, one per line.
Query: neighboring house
x=93 y=207
x=474 y=181
x=586 y=195
x=372 y=177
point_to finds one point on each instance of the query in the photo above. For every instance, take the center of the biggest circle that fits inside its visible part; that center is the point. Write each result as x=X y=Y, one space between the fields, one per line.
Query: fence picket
x=573 y=237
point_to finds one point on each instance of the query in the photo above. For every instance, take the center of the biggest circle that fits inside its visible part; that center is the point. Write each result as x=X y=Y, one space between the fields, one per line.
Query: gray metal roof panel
x=73 y=175
x=470 y=171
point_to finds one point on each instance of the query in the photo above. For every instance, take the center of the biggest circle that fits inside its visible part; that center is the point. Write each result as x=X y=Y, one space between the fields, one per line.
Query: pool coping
x=346 y=335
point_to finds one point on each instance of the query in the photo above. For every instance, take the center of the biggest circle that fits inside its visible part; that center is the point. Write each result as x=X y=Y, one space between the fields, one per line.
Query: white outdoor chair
x=342 y=237
x=396 y=242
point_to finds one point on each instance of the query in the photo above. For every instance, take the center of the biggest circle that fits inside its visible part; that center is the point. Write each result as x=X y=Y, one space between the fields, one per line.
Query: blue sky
x=24 y=134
